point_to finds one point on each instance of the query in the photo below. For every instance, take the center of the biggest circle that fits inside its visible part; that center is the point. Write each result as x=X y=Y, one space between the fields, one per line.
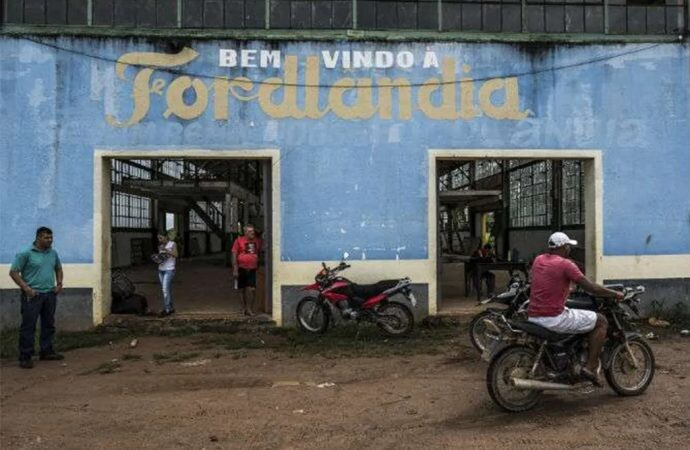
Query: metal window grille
x=573 y=193
x=445 y=221
x=195 y=222
x=172 y=168
x=213 y=209
x=487 y=168
x=652 y=17
x=443 y=182
x=530 y=195
x=130 y=211
x=137 y=169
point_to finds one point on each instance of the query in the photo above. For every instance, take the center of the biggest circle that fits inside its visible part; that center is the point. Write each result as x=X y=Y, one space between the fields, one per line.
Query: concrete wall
x=202 y=248
x=670 y=295
x=354 y=146
x=198 y=248
x=531 y=243
x=122 y=246
x=216 y=244
x=631 y=101
x=74 y=309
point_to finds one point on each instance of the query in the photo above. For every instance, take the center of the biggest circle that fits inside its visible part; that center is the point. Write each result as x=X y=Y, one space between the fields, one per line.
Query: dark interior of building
x=200 y=204
x=511 y=205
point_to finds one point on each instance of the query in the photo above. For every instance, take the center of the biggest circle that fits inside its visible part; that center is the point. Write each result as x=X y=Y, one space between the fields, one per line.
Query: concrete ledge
x=330 y=35
x=667 y=292
x=74 y=309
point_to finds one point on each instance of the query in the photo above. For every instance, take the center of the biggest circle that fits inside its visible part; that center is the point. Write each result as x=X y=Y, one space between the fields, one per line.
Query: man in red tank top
x=245 y=262
x=551 y=276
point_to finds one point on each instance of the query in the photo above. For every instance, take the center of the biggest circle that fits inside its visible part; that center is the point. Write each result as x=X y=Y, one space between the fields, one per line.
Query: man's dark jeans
x=43 y=306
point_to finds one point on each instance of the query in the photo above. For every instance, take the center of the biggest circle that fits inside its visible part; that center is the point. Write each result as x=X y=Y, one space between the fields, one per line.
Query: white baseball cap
x=559 y=239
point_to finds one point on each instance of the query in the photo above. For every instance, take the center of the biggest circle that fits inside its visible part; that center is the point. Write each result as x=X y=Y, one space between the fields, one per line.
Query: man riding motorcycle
x=551 y=275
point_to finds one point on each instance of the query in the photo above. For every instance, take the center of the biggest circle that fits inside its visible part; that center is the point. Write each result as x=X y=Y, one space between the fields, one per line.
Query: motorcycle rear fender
x=334 y=296
x=311 y=287
x=373 y=301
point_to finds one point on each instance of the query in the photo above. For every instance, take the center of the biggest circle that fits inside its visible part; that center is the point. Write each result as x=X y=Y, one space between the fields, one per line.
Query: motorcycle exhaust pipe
x=521 y=383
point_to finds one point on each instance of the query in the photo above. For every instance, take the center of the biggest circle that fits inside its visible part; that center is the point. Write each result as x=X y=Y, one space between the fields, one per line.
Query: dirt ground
x=182 y=392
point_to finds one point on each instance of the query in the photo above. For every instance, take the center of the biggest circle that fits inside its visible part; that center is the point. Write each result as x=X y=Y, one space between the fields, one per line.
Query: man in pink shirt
x=551 y=276
x=245 y=262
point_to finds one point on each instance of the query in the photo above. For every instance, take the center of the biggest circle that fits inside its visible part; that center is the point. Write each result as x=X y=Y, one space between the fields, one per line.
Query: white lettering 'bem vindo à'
x=249 y=58
x=297 y=92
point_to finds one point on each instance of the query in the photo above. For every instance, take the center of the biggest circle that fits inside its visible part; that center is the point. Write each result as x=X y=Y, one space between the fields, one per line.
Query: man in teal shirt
x=38 y=272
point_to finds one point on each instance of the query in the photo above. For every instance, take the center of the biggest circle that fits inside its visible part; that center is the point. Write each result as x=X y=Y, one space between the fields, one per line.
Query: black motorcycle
x=513 y=303
x=527 y=359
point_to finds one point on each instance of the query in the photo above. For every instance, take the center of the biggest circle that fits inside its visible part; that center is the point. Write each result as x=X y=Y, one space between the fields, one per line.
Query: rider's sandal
x=591 y=376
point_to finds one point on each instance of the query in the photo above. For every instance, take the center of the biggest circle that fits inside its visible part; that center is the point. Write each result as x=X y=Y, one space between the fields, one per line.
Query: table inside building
x=474 y=269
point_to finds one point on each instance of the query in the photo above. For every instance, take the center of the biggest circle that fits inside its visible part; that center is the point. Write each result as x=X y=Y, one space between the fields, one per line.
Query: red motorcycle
x=358 y=302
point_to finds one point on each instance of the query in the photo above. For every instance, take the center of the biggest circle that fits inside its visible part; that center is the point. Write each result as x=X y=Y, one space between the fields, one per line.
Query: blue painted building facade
x=353 y=139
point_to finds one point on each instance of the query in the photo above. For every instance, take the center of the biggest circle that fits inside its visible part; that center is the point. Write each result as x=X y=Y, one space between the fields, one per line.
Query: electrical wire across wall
x=590 y=61
x=171 y=71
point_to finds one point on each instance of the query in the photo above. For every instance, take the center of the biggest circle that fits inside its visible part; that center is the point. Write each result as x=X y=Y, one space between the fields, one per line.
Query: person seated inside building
x=485 y=253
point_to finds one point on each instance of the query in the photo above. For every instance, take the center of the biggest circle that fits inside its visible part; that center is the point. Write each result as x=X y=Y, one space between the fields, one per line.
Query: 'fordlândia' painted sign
x=288 y=96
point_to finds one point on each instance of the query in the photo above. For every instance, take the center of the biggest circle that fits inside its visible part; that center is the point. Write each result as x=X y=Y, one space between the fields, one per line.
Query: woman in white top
x=166 y=270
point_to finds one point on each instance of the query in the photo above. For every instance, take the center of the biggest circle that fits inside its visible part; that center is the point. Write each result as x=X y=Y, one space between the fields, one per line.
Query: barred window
x=486 y=168
x=530 y=195
x=443 y=182
x=136 y=170
x=213 y=209
x=195 y=222
x=444 y=220
x=460 y=177
x=573 y=193
x=173 y=169
x=492 y=16
x=461 y=218
x=130 y=211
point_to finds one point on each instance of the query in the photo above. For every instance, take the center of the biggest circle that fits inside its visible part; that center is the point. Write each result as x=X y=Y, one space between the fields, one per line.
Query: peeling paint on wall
x=365 y=176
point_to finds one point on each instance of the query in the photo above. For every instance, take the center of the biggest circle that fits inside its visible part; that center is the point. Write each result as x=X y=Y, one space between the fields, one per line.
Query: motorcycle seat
x=537 y=330
x=365 y=291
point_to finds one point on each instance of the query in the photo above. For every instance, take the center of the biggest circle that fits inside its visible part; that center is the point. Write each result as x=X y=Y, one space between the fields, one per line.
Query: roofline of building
x=331 y=35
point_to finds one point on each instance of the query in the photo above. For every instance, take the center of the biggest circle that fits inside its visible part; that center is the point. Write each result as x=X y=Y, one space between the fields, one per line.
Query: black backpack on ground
x=124 y=298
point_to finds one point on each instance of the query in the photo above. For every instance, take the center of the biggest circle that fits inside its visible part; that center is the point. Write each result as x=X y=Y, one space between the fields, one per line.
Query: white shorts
x=570 y=321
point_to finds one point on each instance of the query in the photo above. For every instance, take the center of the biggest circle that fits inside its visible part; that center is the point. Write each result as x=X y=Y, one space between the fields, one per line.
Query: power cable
x=328 y=86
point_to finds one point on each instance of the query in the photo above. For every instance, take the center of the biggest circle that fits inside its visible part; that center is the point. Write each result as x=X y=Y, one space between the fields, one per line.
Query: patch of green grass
x=240 y=354
x=198 y=328
x=130 y=357
x=64 y=340
x=162 y=358
x=105 y=368
x=347 y=340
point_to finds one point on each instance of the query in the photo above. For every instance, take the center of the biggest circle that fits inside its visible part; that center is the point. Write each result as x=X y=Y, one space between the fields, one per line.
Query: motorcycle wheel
x=513 y=362
x=478 y=329
x=313 y=316
x=623 y=376
x=395 y=319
